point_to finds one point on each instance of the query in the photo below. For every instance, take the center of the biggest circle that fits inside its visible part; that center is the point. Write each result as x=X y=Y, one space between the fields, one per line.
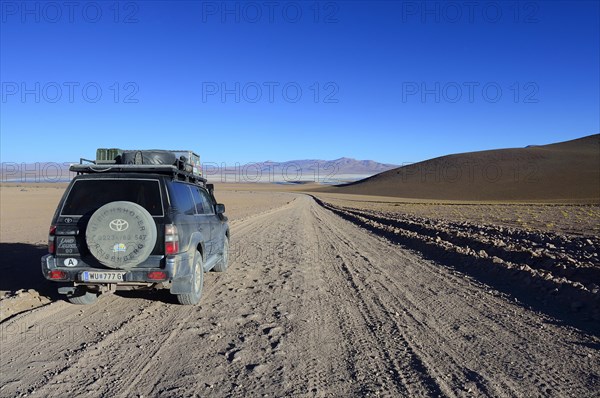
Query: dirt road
x=312 y=305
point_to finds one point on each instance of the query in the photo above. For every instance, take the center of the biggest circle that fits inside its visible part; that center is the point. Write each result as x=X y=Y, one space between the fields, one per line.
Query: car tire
x=224 y=263
x=121 y=234
x=82 y=296
x=194 y=297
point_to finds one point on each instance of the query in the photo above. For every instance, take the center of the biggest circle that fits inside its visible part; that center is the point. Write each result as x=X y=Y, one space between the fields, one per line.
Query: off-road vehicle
x=136 y=219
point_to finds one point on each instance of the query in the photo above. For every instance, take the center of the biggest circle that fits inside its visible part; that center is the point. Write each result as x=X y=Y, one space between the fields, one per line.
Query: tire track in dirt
x=401 y=365
x=54 y=338
x=245 y=332
x=508 y=352
x=397 y=309
x=569 y=301
x=562 y=258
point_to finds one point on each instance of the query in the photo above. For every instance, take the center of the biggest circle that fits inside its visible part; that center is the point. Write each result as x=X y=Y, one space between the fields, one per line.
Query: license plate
x=108 y=277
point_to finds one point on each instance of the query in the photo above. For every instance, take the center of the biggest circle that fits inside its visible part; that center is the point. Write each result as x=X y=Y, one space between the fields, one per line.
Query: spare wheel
x=121 y=234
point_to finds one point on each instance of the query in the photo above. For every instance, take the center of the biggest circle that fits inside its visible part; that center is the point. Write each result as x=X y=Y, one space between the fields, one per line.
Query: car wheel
x=224 y=263
x=194 y=297
x=82 y=296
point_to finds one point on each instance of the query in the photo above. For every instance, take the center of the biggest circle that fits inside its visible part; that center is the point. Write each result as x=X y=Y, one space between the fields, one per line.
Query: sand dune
x=565 y=171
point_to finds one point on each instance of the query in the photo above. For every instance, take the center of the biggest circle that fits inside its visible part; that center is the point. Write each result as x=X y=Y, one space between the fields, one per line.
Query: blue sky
x=249 y=81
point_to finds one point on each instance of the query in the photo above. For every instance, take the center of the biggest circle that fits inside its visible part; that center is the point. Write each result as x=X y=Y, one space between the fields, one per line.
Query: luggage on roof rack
x=191 y=160
x=149 y=157
x=180 y=164
x=185 y=160
x=171 y=170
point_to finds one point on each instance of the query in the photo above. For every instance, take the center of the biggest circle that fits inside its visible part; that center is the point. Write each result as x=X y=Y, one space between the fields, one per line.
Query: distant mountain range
x=341 y=165
x=342 y=169
x=315 y=170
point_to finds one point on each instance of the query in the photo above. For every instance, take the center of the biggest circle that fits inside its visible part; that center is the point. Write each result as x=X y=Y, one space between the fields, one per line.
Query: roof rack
x=92 y=168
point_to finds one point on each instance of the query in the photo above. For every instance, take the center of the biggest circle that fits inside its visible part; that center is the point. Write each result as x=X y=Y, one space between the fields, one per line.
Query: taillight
x=51 y=245
x=57 y=275
x=157 y=275
x=171 y=239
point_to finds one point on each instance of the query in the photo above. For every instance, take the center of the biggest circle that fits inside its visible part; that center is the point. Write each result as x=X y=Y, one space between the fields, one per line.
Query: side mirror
x=220 y=208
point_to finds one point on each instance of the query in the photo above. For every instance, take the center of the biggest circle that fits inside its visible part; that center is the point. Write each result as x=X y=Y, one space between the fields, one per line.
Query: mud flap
x=183 y=281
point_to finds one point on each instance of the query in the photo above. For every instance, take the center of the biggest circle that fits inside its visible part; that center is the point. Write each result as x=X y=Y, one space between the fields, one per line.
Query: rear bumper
x=132 y=276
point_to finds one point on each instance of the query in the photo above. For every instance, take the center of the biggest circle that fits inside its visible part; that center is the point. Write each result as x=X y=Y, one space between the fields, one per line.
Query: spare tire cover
x=121 y=234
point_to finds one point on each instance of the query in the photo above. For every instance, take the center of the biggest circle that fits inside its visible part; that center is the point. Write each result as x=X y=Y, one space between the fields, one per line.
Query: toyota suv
x=132 y=226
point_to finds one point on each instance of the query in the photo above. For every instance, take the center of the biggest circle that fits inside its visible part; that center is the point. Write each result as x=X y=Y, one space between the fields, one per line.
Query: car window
x=207 y=202
x=181 y=196
x=86 y=196
x=198 y=200
x=202 y=200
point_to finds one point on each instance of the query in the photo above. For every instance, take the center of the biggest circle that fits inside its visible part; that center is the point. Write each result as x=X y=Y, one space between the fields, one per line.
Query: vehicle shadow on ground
x=20 y=269
x=162 y=295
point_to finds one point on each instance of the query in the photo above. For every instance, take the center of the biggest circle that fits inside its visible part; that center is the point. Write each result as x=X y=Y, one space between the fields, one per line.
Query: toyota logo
x=118 y=225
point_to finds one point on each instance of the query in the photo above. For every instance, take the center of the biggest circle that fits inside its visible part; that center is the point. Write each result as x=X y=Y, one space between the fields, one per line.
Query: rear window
x=86 y=196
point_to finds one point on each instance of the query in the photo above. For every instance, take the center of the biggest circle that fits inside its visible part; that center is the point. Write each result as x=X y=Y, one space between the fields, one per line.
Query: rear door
x=184 y=209
x=86 y=195
x=206 y=219
x=217 y=223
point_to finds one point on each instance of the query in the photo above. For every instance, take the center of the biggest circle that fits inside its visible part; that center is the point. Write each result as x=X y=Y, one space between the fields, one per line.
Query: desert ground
x=327 y=295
